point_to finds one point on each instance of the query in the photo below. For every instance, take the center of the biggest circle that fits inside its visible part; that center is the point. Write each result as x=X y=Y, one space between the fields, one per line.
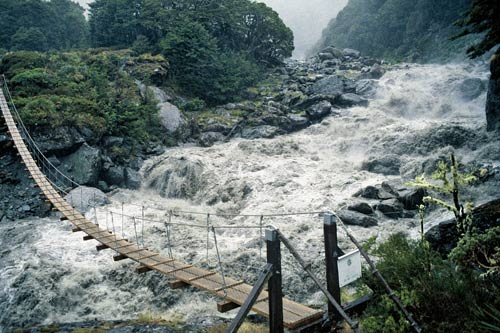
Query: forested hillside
x=410 y=30
x=35 y=25
x=215 y=48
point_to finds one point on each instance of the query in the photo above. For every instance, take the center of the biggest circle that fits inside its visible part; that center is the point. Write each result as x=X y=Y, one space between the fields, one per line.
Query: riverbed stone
x=351 y=217
x=319 y=110
x=84 y=165
x=391 y=208
x=84 y=198
x=361 y=207
x=330 y=85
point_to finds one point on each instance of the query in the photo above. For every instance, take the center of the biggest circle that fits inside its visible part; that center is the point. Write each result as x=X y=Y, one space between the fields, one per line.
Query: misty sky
x=307 y=18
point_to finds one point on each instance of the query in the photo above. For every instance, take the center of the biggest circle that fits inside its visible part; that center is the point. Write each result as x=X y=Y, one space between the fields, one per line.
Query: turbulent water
x=418 y=114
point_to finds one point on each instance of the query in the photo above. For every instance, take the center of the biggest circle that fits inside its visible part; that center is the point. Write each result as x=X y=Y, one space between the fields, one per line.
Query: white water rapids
x=419 y=113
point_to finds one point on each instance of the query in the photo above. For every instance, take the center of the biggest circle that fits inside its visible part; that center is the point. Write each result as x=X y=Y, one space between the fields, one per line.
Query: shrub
x=441 y=297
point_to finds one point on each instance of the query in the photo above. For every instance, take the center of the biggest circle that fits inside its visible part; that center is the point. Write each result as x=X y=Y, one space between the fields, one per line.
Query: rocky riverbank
x=297 y=95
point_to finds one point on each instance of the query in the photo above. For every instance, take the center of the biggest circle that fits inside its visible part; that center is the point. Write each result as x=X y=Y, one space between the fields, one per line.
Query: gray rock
x=170 y=117
x=84 y=165
x=331 y=63
x=103 y=186
x=411 y=198
x=84 y=198
x=372 y=192
x=325 y=56
x=493 y=99
x=366 y=88
x=132 y=179
x=386 y=165
x=337 y=53
x=376 y=72
x=160 y=95
x=369 y=192
x=350 y=99
x=351 y=217
x=443 y=237
x=296 y=122
x=59 y=141
x=207 y=139
x=471 y=88
x=352 y=53
x=332 y=85
x=115 y=176
x=264 y=131
x=391 y=208
x=319 y=111
x=361 y=207
x=110 y=141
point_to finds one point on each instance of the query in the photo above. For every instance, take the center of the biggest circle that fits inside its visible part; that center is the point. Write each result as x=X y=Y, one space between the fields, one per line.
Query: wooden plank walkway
x=295 y=315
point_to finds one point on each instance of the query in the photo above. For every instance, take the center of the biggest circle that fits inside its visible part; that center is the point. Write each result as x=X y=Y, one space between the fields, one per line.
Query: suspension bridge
x=281 y=311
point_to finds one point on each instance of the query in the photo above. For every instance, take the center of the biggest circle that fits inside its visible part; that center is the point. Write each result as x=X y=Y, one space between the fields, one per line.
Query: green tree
x=29 y=39
x=42 y=25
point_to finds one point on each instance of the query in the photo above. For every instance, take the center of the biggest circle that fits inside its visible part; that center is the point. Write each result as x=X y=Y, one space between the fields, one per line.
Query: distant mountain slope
x=412 y=30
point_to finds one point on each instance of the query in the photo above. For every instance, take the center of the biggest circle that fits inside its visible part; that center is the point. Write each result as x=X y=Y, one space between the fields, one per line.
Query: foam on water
x=418 y=113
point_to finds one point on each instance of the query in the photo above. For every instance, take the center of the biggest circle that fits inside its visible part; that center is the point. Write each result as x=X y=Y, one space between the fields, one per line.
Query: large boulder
x=207 y=139
x=319 y=111
x=386 y=165
x=471 y=88
x=132 y=179
x=332 y=85
x=115 y=175
x=411 y=198
x=294 y=122
x=58 y=141
x=443 y=237
x=373 y=192
x=391 y=208
x=85 y=198
x=493 y=99
x=84 y=165
x=361 y=207
x=350 y=99
x=351 y=217
x=170 y=117
x=366 y=88
x=487 y=215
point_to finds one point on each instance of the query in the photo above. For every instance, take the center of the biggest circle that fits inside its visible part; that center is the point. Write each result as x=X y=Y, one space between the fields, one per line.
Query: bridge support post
x=274 y=284
x=331 y=255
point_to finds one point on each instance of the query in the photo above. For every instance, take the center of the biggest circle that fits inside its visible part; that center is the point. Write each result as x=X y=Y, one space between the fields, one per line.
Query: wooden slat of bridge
x=295 y=315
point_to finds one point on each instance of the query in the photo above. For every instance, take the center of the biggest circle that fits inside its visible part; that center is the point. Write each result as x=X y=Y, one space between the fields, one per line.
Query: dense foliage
x=37 y=25
x=84 y=90
x=415 y=30
x=454 y=294
x=441 y=296
x=483 y=16
x=215 y=48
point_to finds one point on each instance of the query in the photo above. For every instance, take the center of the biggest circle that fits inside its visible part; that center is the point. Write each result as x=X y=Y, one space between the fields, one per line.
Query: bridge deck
x=295 y=315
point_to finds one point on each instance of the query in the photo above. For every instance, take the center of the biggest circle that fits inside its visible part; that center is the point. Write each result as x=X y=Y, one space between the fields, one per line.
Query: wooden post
x=274 y=284
x=331 y=256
